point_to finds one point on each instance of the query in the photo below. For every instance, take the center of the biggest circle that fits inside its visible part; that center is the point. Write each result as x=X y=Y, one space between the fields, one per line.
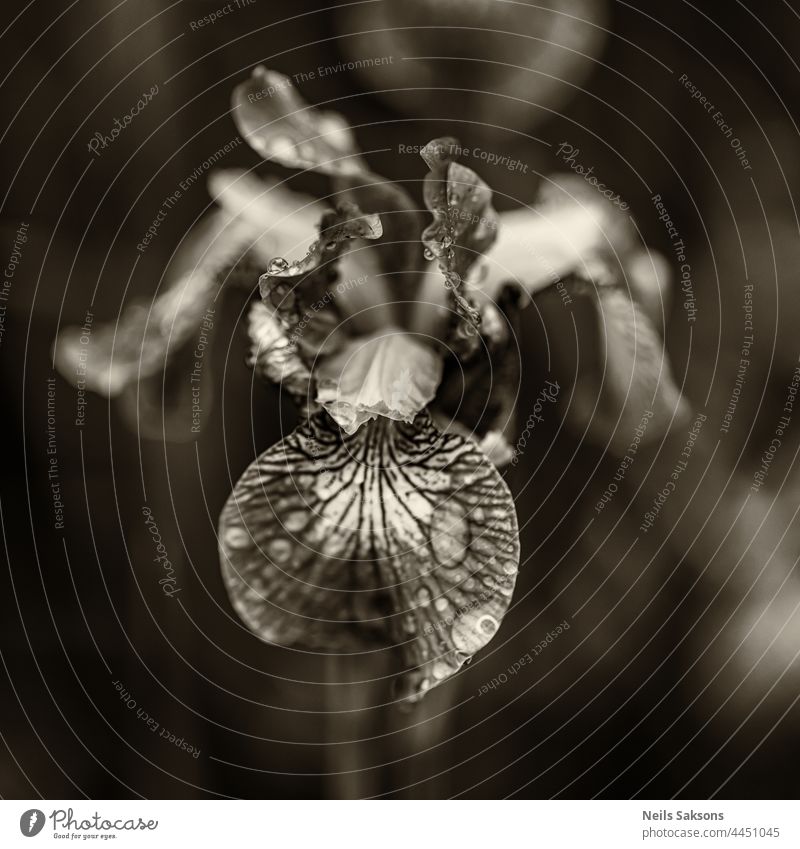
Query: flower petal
x=273 y=356
x=148 y=354
x=464 y=226
x=280 y=126
x=300 y=292
x=391 y=374
x=560 y=234
x=481 y=394
x=398 y=535
x=633 y=377
x=276 y=122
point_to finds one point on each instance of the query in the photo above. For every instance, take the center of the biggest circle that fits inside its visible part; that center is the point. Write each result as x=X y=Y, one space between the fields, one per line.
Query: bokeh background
x=679 y=674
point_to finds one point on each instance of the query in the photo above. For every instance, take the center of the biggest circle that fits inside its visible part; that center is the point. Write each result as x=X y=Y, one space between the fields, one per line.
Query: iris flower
x=382 y=519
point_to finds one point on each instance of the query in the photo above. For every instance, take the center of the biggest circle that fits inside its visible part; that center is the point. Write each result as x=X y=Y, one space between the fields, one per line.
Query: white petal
x=392 y=374
x=280 y=222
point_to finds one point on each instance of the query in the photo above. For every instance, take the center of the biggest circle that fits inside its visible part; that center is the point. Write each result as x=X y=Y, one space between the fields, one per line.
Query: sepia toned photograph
x=400 y=403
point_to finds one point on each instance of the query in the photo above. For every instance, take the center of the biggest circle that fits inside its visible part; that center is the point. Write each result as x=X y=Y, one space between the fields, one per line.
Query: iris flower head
x=383 y=518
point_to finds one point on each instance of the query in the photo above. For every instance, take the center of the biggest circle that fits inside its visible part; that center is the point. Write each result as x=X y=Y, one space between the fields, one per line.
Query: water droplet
x=488 y=625
x=428 y=254
x=441 y=604
x=295 y=522
x=237 y=538
x=277 y=265
x=423 y=596
x=449 y=533
x=279 y=549
x=440 y=670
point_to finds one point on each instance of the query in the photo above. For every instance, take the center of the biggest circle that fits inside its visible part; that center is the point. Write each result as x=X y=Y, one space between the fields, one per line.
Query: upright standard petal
x=282 y=127
x=464 y=226
x=301 y=292
x=398 y=535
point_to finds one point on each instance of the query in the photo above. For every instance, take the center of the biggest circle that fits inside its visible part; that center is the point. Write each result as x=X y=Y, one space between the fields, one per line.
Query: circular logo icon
x=31 y=822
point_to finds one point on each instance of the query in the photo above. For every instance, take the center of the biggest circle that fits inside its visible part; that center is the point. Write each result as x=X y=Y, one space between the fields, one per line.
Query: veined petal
x=398 y=535
x=391 y=374
x=276 y=122
x=464 y=226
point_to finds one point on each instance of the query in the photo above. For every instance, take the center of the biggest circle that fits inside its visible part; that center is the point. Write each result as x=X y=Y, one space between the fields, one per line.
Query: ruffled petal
x=481 y=394
x=391 y=374
x=464 y=226
x=282 y=127
x=273 y=356
x=398 y=535
x=301 y=293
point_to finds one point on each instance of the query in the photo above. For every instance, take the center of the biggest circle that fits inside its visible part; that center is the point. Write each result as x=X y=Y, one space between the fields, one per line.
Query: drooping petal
x=277 y=123
x=464 y=226
x=633 y=379
x=578 y=240
x=398 y=535
x=391 y=374
x=561 y=233
x=149 y=355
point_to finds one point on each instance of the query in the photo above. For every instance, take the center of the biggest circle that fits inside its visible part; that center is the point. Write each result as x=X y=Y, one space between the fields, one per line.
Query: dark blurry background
x=679 y=673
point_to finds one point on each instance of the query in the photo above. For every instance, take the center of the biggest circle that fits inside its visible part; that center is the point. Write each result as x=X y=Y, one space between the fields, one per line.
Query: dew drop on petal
x=277 y=265
x=279 y=549
x=449 y=533
x=423 y=596
x=237 y=538
x=295 y=522
x=488 y=625
x=440 y=670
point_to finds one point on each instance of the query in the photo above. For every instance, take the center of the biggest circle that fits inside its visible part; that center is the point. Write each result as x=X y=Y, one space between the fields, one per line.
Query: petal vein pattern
x=396 y=536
